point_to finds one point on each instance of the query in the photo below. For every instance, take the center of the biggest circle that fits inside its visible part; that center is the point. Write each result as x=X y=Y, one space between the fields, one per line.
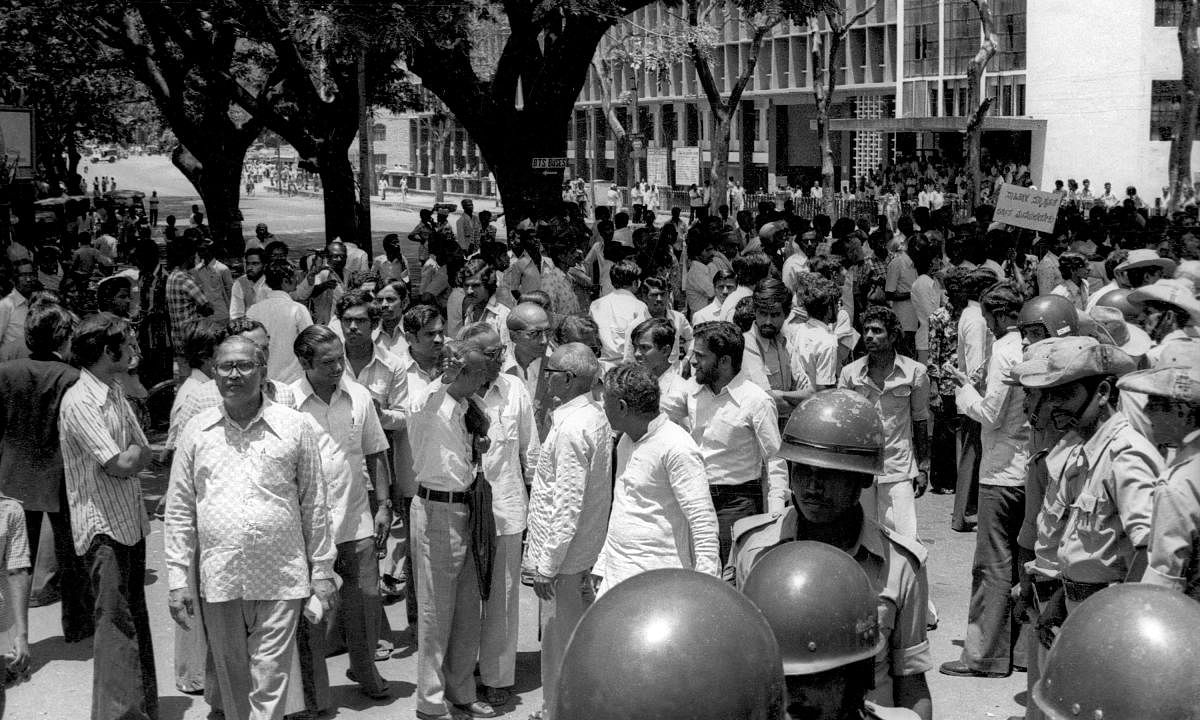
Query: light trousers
x=448 y=605
x=501 y=615
x=893 y=505
x=253 y=646
x=560 y=615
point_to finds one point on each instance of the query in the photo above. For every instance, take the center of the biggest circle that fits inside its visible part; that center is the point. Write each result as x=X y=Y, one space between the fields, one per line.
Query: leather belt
x=441 y=496
x=1080 y=591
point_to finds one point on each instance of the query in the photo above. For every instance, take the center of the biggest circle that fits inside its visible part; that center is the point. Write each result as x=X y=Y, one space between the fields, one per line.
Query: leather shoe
x=478 y=709
x=496 y=695
x=958 y=668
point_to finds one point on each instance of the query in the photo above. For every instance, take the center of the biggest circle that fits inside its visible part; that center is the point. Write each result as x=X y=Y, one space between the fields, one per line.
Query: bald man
x=529 y=343
x=568 y=504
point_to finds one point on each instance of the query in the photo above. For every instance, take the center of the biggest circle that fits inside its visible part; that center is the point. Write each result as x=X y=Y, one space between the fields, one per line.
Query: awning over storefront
x=934 y=124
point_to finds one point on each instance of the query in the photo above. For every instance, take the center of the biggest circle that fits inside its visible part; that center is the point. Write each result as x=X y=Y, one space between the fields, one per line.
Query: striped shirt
x=96 y=425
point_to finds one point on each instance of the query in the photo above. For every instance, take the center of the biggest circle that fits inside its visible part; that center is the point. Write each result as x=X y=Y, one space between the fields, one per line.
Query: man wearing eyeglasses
x=508 y=464
x=529 y=330
x=247 y=491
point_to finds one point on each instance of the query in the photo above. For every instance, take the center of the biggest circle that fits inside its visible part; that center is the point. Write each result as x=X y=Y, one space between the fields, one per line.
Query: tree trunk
x=338 y=192
x=1185 y=123
x=622 y=159
x=524 y=191
x=218 y=179
x=437 y=133
x=718 y=175
x=977 y=105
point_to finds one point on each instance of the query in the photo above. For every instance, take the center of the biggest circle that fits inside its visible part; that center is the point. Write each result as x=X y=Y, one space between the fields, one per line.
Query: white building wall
x=1090 y=69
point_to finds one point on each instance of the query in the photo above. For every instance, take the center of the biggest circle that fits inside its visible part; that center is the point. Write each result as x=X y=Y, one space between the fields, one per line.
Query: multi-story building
x=1078 y=90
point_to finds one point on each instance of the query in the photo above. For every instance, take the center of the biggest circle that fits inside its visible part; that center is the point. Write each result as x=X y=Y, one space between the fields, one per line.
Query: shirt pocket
x=721 y=432
x=1090 y=511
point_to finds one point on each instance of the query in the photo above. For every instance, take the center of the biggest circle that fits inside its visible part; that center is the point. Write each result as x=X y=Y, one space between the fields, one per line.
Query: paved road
x=61 y=685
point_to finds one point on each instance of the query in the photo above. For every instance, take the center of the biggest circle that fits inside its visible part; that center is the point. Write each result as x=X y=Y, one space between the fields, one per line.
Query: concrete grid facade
x=1079 y=90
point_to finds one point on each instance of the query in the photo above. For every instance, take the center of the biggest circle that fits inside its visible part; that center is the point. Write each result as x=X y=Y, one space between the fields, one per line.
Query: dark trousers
x=359 y=613
x=124 y=686
x=71 y=576
x=154 y=216
x=732 y=503
x=943 y=466
x=992 y=642
x=966 y=492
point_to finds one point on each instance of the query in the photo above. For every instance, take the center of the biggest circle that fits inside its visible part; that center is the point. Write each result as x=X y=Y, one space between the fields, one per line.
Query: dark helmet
x=1054 y=313
x=836 y=429
x=820 y=604
x=1119 y=299
x=1130 y=651
x=671 y=643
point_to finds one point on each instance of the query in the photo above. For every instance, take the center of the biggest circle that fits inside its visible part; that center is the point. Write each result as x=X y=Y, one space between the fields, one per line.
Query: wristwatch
x=387 y=503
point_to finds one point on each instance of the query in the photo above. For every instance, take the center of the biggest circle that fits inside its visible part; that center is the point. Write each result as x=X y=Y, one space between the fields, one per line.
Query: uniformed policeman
x=1173 y=387
x=1129 y=653
x=1047 y=316
x=671 y=643
x=1104 y=481
x=822 y=608
x=833 y=445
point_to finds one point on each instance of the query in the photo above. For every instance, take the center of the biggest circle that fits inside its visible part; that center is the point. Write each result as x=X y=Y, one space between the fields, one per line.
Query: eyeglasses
x=553 y=371
x=533 y=333
x=241 y=367
x=492 y=354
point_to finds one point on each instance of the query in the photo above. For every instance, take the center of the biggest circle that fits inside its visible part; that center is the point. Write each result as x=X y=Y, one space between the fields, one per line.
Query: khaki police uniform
x=895 y=565
x=1175 y=532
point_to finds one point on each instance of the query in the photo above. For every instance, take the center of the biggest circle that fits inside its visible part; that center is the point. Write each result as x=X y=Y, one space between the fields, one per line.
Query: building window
x=378 y=132
x=1165 y=96
x=921 y=38
x=379 y=160
x=1010 y=27
x=1166 y=13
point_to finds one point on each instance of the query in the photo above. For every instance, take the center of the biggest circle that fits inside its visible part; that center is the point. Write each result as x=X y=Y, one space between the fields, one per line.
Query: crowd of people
x=588 y=410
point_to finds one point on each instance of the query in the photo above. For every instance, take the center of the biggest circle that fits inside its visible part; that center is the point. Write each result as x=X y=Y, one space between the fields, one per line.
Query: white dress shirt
x=284 y=319
x=245 y=294
x=386 y=379
x=13 y=310
x=672 y=395
x=1004 y=428
x=572 y=491
x=440 y=443
x=738 y=434
x=974 y=339
x=419 y=383
x=730 y=305
x=615 y=314
x=350 y=420
x=814 y=350
x=662 y=510
x=512 y=456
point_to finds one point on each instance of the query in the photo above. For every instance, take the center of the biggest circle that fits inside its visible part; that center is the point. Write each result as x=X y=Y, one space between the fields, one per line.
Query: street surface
x=60 y=688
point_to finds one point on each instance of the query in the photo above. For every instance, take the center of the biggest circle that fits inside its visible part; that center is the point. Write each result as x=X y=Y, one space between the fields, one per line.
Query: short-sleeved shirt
x=1110 y=516
x=349 y=418
x=1175 y=532
x=895 y=566
x=184 y=300
x=14 y=553
x=901 y=274
x=902 y=401
x=31 y=463
x=814 y=348
x=95 y=425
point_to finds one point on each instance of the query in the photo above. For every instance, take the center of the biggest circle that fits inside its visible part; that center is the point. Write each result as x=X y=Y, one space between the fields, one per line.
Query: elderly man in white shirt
x=344 y=411
x=508 y=464
x=446 y=434
x=737 y=428
x=618 y=311
x=662 y=512
x=568 y=505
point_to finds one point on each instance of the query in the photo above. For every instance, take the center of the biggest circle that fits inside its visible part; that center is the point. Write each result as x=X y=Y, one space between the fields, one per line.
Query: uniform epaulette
x=910 y=545
x=746 y=524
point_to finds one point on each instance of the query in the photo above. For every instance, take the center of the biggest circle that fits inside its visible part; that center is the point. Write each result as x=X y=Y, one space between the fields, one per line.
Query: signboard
x=687 y=165
x=657 y=162
x=16 y=138
x=549 y=163
x=1026 y=208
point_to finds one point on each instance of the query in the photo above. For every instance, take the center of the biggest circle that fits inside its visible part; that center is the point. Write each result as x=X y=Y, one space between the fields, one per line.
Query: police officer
x=671 y=643
x=833 y=445
x=1173 y=387
x=1129 y=653
x=821 y=606
x=1104 y=480
x=1047 y=316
